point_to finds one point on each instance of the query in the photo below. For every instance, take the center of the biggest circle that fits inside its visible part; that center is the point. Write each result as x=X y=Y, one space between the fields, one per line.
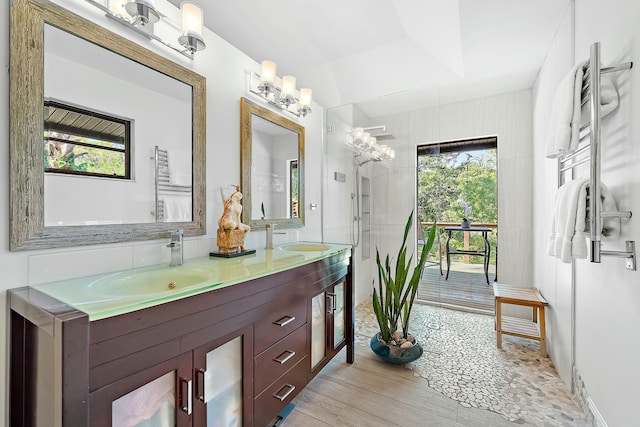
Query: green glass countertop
x=111 y=294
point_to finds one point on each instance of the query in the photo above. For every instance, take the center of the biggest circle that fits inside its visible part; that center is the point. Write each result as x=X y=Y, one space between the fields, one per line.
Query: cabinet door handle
x=200 y=384
x=284 y=321
x=332 y=300
x=186 y=394
x=286 y=394
x=282 y=359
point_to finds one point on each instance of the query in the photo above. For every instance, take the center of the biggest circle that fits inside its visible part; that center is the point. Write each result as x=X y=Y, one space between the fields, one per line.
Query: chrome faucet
x=177 y=254
x=270 y=233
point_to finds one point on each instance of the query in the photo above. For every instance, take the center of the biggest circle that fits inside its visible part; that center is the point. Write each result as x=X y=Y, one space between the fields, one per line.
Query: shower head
x=379 y=132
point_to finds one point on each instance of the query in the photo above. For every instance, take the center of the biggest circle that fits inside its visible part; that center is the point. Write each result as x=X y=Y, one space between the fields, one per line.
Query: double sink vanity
x=212 y=342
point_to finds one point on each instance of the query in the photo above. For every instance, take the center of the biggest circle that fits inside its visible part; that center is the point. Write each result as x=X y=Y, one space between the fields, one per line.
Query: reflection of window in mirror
x=80 y=141
x=293 y=188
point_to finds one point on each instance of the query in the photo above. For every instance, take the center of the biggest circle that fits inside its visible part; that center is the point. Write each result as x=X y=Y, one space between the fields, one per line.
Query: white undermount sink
x=145 y=282
x=306 y=247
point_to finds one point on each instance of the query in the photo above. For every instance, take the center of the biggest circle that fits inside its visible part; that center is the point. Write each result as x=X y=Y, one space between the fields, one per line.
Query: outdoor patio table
x=485 y=253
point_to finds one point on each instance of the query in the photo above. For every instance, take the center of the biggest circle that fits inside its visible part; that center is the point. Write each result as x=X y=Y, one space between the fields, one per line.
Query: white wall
x=607 y=317
x=394 y=187
x=226 y=70
x=551 y=277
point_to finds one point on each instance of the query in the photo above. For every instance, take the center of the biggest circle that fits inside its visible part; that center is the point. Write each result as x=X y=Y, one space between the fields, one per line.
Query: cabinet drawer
x=279 y=324
x=279 y=358
x=268 y=404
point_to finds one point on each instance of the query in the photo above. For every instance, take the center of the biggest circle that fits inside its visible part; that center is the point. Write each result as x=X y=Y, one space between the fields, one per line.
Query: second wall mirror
x=272 y=157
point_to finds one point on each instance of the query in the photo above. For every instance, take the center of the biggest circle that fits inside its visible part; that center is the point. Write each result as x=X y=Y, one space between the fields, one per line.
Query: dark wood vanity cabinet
x=328 y=332
x=242 y=352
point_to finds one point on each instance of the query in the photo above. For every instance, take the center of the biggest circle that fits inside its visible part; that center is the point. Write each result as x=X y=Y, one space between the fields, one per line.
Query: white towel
x=567 y=239
x=177 y=208
x=179 y=167
x=564 y=126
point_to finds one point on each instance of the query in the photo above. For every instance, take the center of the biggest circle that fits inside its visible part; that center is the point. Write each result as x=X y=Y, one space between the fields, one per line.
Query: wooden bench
x=533 y=329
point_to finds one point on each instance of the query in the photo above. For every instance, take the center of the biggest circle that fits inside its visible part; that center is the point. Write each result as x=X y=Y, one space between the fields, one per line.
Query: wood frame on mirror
x=27 y=226
x=247 y=110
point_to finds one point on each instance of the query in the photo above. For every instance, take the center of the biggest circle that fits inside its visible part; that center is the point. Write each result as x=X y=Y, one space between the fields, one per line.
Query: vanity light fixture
x=191 y=38
x=141 y=16
x=304 y=105
x=366 y=144
x=281 y=93
x=142 y=12
x=288 y=89
x=267 y=78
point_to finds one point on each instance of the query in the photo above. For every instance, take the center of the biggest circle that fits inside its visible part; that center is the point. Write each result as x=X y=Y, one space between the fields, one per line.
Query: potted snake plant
x=393 y=301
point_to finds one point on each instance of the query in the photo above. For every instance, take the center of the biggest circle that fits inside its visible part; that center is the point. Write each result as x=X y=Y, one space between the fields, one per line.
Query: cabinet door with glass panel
x=157 y=396
x=328 y=319
x=223 y=373
x=209 y=386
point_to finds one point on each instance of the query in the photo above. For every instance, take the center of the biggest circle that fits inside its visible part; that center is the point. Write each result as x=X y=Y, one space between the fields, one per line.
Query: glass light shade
x=288 y=86
x=358 y=133
x=191 y=18
x=268 y=72
x=117 y=8
x=305 y=97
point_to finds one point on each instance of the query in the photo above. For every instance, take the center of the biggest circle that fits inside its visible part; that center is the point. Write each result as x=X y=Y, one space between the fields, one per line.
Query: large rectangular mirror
x=272 y=151
x=107 y=138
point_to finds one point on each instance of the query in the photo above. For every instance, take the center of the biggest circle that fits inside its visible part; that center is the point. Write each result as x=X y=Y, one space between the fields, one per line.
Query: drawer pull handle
x=284 y=321
x=200 y=384
x=282 y=359
x=332 y=302
x=286 y=394
x=186 y=403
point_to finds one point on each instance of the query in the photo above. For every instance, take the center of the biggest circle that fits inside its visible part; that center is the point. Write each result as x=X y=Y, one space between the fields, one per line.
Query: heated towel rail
x=163 y=183
x=591 y=153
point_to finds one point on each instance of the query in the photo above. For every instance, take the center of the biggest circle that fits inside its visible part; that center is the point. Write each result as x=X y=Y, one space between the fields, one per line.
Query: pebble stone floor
x=462 y=362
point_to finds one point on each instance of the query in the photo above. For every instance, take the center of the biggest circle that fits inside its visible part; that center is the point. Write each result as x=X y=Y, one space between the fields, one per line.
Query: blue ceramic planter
x=395 y=354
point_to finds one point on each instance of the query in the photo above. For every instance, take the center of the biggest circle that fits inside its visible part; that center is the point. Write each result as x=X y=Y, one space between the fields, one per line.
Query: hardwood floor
x=373 y=393
x=466 y=288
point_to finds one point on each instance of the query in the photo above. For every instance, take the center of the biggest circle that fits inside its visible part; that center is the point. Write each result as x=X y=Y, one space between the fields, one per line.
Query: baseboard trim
x=598 y=419
x=591 y=412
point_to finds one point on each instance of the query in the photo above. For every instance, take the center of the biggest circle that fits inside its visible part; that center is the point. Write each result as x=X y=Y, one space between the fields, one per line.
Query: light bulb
x=191 y=18
x=305 y=97
x=268 y=72
x=288 y=86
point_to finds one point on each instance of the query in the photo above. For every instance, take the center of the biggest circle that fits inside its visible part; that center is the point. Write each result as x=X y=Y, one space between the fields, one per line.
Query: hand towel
x=567 y=235
x=564 y=126
x=179 y=167
x=177 y=208
x=567 y=240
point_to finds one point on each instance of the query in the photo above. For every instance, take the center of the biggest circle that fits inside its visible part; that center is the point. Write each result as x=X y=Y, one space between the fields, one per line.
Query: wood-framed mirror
x=38 y=190
x=272 y=168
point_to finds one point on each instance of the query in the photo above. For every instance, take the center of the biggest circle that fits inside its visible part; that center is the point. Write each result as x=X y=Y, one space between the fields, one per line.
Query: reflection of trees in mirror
x=67 y=157
x=444 y=178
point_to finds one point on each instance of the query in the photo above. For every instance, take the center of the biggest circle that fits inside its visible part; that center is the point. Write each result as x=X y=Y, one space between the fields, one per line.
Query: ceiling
x=389 y=56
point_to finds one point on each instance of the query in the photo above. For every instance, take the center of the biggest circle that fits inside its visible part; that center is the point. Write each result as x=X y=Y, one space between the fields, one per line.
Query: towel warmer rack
x=163 y=182
x=591 y=153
